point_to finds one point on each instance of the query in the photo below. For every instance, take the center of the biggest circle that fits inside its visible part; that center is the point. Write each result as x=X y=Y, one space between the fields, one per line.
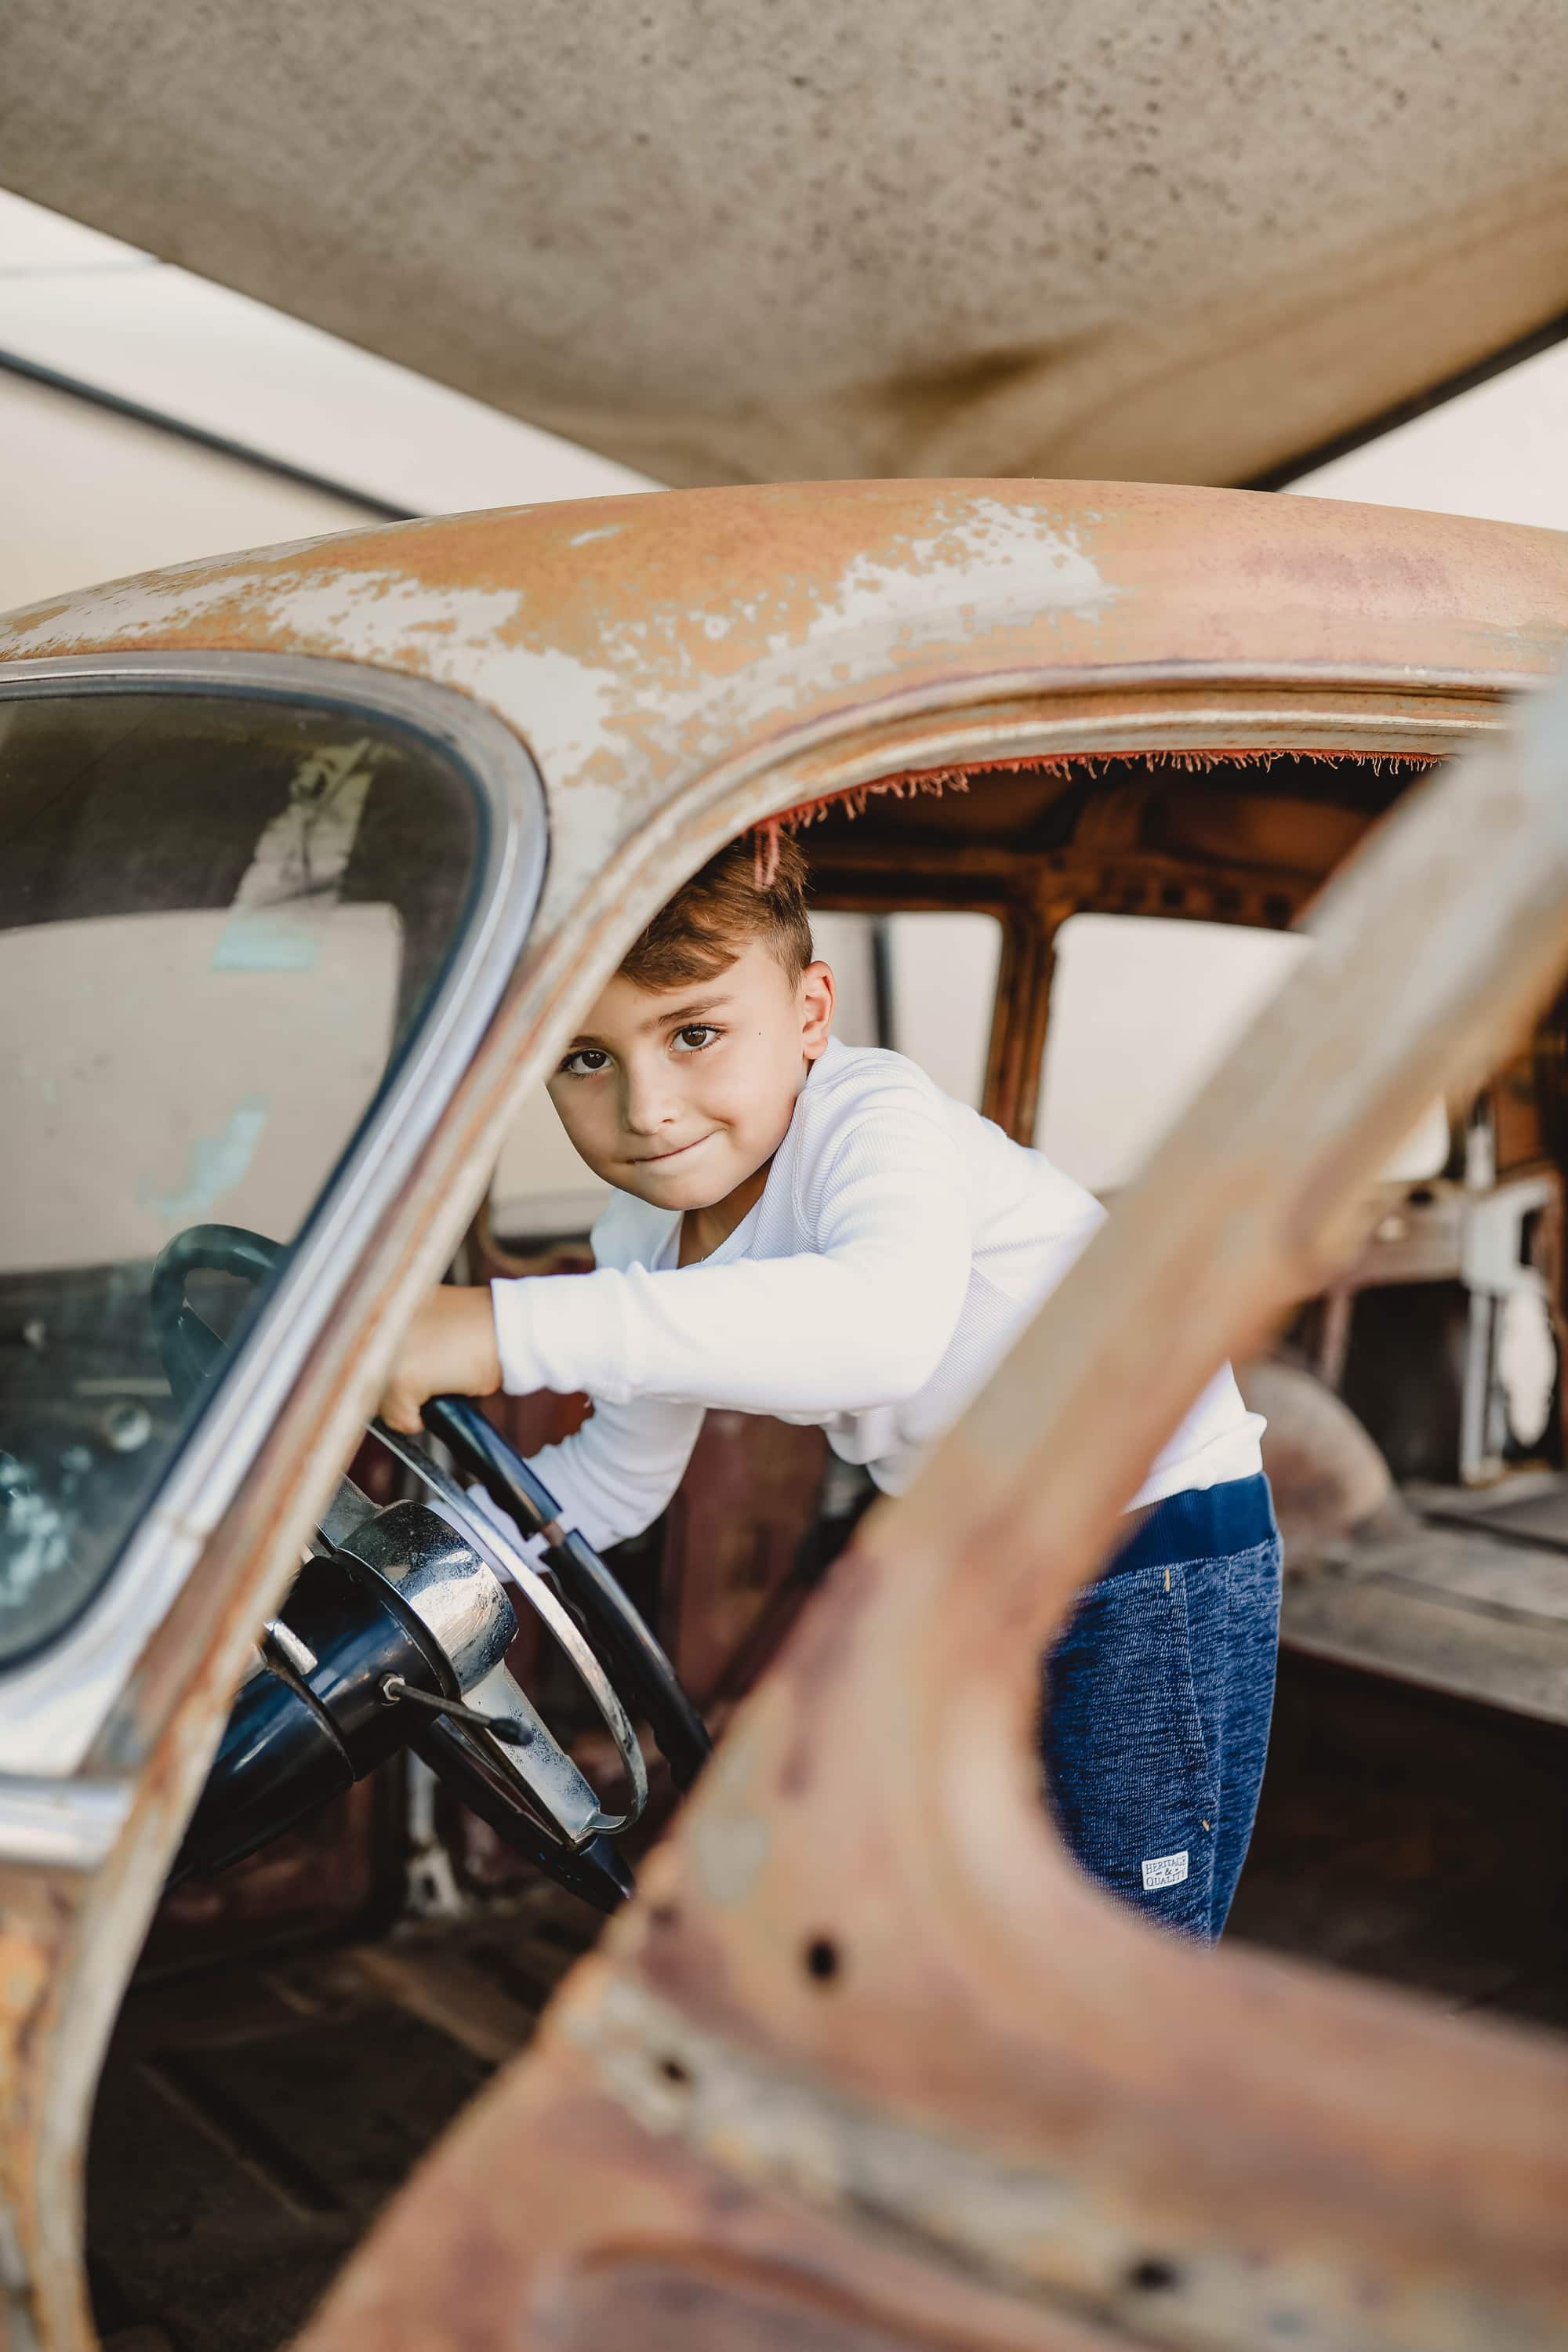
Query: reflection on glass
x=219 y=917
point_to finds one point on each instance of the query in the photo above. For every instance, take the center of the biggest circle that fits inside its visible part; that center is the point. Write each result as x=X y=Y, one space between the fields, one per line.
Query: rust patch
x=816 y=1658
x=688 y=1964
x=684 y=2302
x=640 y=645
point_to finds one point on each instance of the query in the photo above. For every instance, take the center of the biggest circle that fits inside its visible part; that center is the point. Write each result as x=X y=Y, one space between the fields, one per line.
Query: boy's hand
x=449 y=1348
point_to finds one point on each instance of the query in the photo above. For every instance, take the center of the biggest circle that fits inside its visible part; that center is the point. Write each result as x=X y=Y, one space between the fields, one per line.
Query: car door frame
x=78 y=1922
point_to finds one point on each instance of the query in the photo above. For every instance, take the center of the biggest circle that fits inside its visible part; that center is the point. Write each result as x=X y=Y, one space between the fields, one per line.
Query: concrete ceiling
x=731 y=239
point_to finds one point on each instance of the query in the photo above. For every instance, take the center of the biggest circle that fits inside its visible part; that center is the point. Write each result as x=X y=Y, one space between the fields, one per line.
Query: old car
x=314 y=857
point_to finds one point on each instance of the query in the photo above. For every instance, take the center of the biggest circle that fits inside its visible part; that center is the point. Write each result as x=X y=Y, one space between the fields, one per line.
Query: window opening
x=1144 y=1008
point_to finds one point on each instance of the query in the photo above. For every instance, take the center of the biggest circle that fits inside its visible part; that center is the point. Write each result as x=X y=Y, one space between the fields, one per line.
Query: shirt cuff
x=520 y=1372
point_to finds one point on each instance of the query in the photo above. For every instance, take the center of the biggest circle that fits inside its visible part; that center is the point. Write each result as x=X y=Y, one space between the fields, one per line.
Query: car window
x=221 y=915
x=943 y=991
x=1143 y=1010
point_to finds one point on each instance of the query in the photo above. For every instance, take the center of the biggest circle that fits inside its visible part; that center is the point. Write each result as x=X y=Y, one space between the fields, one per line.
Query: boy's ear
x=816 y=994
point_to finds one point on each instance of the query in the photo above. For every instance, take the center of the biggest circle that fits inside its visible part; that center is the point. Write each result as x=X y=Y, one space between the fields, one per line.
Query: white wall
x=1500 y=450
x=158 y=1087
x=88 y=495
x=102 y=313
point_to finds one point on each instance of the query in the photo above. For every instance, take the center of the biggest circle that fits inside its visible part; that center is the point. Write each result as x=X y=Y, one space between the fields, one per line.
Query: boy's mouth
x=657 y=1158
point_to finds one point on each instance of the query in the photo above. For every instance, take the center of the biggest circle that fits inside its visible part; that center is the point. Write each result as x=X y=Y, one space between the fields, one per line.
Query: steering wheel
x=395 y=1634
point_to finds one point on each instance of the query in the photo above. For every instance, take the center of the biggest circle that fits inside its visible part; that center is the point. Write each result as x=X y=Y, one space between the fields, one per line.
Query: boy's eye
x=586 y=1062
x=692 y=1039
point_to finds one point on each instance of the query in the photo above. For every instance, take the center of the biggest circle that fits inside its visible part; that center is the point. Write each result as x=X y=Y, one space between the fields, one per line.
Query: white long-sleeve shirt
x=901 y=1244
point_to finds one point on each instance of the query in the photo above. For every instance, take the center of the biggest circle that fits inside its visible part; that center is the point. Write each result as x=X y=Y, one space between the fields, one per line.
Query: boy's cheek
x=567 y=1110
x=594 y=1147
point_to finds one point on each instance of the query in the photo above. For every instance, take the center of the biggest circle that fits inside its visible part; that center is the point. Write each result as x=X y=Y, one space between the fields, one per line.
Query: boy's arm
x=862 y=1321
x=611 y=1478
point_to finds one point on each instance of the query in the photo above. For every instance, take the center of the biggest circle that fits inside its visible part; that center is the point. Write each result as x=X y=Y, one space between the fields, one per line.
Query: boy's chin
x=698 y=1185
x=683 y=1191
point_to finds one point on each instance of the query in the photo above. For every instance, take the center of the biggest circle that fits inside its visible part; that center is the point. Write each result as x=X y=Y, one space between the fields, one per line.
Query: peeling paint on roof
x=634 y=643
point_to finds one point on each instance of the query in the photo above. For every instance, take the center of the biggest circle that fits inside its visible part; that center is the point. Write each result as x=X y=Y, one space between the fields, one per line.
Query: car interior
x=339 y=1962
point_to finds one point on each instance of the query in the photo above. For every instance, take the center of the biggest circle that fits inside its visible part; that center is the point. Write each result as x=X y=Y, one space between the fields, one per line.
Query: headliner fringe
x=911 y=781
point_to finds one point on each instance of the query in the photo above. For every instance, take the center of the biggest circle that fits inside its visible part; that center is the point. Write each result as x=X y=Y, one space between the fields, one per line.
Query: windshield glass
x=220 y=916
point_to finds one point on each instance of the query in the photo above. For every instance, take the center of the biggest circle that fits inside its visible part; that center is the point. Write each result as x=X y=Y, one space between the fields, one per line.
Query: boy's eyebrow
x=682 y=1013
x=687 y=1013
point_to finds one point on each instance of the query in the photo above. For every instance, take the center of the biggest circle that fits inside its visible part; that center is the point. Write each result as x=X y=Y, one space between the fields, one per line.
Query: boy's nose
x=647 y=1106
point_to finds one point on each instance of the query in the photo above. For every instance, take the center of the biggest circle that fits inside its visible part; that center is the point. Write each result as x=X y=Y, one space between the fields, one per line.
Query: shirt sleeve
x=861 y=1319
x=611 y=1477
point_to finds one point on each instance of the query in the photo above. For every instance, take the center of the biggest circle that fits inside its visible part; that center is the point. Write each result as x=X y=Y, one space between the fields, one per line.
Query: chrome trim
x=52 y=1706
x=538 y=1764
x=483 y=1532
x=457 y=1596
x=61 y=1824
x=275 y=1635
x=434 y=1558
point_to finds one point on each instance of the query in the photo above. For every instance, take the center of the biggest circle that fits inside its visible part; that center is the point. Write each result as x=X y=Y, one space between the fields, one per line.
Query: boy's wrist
x=481 y=1337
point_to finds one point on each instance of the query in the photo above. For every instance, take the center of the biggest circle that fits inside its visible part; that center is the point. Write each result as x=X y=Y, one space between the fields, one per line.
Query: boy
x=816 y=1232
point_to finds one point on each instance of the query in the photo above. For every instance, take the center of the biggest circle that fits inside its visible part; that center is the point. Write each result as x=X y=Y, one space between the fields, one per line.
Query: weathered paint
x=636 y=643
x=681 y=667
x=1003 y=2084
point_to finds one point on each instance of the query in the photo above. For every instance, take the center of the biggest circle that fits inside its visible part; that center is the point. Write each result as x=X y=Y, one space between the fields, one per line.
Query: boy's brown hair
x=714 y=917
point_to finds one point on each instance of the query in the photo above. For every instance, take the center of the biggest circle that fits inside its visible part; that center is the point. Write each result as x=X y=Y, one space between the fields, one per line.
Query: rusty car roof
x=633 y=643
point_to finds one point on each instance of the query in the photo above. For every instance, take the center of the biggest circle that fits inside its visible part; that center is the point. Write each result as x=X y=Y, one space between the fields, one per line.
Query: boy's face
x=681 y=1094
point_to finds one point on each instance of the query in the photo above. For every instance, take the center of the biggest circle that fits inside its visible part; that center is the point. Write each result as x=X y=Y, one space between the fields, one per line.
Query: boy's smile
x=682 y=1096
x=653 y=1159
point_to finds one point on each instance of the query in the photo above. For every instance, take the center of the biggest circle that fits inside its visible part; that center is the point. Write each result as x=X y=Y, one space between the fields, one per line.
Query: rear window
x=1143 y=1010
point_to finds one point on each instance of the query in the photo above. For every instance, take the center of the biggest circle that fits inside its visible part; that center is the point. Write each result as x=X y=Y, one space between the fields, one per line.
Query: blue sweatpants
x=1157 y=1701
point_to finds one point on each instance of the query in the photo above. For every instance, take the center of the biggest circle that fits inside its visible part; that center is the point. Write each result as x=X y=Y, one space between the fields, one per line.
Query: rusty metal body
x=844 y=2076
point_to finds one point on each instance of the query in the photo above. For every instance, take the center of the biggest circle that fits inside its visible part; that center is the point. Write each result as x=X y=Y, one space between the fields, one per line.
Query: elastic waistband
x=1205 y=1522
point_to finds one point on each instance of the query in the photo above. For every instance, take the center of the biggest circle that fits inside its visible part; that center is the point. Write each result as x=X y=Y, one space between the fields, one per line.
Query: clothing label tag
x=1164 y=1870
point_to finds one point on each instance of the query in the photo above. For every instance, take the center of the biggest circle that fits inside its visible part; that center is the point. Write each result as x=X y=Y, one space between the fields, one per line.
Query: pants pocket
x=1129 y=1769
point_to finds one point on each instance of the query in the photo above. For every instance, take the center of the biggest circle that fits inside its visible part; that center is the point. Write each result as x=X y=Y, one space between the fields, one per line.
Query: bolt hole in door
x=823 y=1959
